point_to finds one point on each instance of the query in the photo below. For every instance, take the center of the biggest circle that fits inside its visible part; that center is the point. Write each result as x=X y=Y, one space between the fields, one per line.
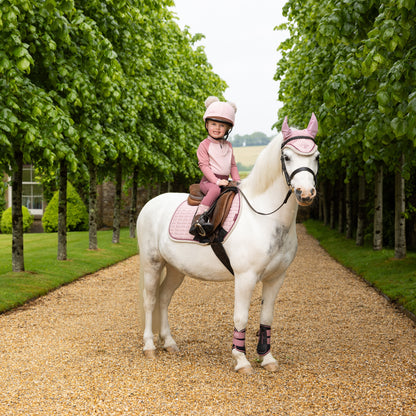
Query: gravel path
x=342 y=349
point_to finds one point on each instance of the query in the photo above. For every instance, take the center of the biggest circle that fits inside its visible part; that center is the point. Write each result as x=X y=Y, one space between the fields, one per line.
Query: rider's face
x=217 y=129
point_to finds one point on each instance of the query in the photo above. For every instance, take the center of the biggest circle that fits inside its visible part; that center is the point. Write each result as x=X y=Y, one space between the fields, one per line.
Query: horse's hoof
x=272 y=367
x=151 y=354
x=245 y=370
x=173 y=349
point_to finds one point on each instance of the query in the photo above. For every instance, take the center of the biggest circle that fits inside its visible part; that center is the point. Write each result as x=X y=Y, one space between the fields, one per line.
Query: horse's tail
x=157 y=275
x=141 y=307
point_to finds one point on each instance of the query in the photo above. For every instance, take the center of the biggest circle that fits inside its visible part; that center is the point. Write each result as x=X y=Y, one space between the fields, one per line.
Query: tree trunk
x=378 y=210
x=332 y=212
x=361 y=211
x=117 y=205
x=62 y=210
x=399 y=210
x=92 y=170
x=18 y=263
x=348 y=211
x=341 y=206
x=325 y=203
x=133 y=206
x=320 y=208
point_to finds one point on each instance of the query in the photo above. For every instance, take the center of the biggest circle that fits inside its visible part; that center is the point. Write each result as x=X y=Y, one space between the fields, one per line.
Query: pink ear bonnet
x=299 y=140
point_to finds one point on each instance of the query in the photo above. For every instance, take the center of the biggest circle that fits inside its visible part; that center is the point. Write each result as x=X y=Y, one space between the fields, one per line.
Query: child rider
x=215 y=158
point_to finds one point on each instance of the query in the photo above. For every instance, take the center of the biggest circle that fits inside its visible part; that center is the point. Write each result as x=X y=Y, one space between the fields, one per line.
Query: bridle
x=287 y=177
x=301 y=169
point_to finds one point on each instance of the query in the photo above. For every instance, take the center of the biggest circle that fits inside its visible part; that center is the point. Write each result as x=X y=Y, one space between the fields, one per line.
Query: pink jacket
x=216 y=157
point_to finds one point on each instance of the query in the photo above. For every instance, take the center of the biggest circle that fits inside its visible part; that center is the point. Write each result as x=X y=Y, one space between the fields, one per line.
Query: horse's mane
x=266 y=169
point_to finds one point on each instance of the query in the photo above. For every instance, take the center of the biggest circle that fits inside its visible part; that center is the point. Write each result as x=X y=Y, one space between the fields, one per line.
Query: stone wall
x=105 y=203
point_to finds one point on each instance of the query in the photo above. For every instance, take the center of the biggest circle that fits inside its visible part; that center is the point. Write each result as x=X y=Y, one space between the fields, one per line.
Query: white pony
x=260 y=248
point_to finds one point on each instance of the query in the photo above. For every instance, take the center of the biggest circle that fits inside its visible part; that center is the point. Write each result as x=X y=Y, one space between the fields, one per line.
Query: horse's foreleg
x=244 y=286
x=173 y=280
x=270 y=291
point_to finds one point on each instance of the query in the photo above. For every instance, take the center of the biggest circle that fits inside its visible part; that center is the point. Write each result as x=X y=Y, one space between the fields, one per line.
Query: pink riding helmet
x=220 y=110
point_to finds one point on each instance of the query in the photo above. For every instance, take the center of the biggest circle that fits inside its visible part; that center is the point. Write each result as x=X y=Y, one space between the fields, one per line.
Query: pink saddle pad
x=182 y=219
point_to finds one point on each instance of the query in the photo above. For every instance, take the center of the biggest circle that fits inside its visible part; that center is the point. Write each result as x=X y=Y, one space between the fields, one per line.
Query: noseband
x=301 y=169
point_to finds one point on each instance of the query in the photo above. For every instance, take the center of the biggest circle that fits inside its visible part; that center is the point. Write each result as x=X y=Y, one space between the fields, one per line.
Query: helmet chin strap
x=227 y=134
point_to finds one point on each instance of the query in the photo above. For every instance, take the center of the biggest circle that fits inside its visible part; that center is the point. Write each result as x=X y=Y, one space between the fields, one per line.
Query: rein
x=287 y=177
x=289 y=192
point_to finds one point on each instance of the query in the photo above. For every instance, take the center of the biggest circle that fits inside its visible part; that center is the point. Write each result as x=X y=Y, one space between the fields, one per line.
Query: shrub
x=3 y=187
x=6 y=220
x=77 y=215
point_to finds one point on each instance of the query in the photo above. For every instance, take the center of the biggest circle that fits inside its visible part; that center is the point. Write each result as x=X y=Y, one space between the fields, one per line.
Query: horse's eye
x=287 y=158
x=317 y=158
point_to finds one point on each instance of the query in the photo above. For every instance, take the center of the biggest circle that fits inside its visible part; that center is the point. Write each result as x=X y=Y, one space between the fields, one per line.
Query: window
x=32 y=195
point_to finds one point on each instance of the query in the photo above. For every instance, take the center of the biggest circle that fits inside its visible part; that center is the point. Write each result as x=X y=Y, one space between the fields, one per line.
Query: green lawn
x=44 y=272
x=395 y=278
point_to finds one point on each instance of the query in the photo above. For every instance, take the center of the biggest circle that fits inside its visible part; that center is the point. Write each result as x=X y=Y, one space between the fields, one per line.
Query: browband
x=295 y=138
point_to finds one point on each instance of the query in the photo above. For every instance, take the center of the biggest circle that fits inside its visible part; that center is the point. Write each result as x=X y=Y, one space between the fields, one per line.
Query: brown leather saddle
x=217 y=214
x=195 y=195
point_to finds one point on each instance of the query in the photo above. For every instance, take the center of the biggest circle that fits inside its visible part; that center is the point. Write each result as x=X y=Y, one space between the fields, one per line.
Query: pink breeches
x=211 y=190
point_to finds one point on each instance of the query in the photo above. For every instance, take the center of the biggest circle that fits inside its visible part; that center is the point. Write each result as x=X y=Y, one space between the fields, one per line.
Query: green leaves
x=399 y=126
x=100 y=80
x=383 y=98
x=371 y=63
x=352 y=63
x=408 y=4
x=24 y=60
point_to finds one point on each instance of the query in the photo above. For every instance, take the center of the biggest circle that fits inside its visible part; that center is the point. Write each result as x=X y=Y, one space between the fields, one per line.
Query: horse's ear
x=313 y=125
x=285 y=129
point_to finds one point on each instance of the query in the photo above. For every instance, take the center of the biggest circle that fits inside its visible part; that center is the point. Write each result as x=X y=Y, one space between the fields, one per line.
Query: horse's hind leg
x=151 y=281
x=172 y=281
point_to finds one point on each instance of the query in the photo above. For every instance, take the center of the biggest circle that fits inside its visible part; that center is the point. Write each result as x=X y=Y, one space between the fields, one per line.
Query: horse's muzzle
x=305 y=198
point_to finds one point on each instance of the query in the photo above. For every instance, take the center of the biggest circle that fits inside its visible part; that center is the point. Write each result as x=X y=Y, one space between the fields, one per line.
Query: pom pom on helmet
x=220 y=110
x=211 y=99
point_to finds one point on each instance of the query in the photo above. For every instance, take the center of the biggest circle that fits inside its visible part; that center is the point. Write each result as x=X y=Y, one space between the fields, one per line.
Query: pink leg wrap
x=239 y=340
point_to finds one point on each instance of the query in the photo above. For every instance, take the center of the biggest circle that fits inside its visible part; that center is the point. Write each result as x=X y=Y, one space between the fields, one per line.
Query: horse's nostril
x=305 y=195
